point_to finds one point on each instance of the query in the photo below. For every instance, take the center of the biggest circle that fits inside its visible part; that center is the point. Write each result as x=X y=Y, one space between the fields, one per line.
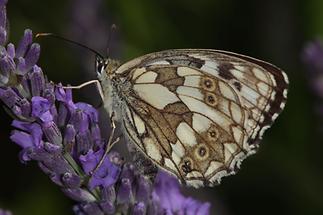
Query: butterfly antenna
x=112 y=29
x=69 y=41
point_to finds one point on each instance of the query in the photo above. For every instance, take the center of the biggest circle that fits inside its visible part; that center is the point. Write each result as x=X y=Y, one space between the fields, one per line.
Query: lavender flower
x=313 y=57
x=170 y=199
x=5 y=212
x=64 y=138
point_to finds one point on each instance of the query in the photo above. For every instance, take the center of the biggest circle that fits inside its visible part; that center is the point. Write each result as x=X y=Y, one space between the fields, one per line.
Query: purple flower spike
x=3 y=3
x=3 y=22
x=312 y=56
x=5 y=212
x=172 y=201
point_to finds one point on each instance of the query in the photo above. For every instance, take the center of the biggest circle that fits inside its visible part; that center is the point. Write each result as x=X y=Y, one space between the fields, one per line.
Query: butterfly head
x=106 y=66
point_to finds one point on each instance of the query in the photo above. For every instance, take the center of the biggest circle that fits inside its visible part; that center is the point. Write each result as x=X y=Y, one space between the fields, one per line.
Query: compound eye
x=100 y=65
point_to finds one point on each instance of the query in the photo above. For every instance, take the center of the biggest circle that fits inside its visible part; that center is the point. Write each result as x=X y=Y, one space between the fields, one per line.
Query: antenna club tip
x=43 y=34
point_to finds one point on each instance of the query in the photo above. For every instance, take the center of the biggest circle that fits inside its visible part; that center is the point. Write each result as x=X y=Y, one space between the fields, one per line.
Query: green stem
x=80 y=172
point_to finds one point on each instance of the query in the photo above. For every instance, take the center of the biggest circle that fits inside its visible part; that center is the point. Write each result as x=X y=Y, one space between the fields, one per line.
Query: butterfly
x=196 y=113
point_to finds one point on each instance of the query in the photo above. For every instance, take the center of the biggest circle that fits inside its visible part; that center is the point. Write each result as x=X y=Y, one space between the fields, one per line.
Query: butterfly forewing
x=198 y=113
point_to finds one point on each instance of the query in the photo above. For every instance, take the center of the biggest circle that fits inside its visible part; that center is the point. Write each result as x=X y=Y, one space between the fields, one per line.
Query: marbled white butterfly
x=195 y=113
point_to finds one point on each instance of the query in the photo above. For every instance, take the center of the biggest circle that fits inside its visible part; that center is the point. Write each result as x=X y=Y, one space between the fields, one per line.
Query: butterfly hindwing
x=198 y=113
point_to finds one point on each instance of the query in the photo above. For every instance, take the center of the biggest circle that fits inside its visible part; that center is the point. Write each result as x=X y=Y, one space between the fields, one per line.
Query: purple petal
x=125 y=194
x=25 y=107
x=7 y=66
x=80 y=121
x=32 y=128
x=9 y=97
x=128 y=171
x=24 y=43
x=108 y=207
x=204 y=208
x=71 y=180
x=52 y=160
x=40 y=109
x=84 y=142
x=54 y=177
x=167 y=189
x=52 y=133
x=37 y=81
x=16 y=110
x=144 y=189
x=63 y=115
x=65 y=96
x=79 y=195
x=90 y=160
x=32 y=55
x=22 y=139
x=11 y=50
x=49 y=90
x=88 y=110
x=96 y=135
x=116 y=158
x=109 y=194
x=46 y=117
x=87 y=209
x=139 y=209
x=171 y=200
x=105 y=176
x=3 y=33
x=69 y=138
x=52 y=148
x=21 y=66
x=24 y=155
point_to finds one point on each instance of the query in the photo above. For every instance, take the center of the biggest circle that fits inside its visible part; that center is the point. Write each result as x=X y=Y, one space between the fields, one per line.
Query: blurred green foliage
x=284 y=177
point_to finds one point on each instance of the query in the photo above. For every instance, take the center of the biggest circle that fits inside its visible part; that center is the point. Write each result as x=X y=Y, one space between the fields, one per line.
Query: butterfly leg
x=96 y=82
x=110 y=143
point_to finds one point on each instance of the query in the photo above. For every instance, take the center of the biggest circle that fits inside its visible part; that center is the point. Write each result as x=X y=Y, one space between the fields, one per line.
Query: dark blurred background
x=284 y=177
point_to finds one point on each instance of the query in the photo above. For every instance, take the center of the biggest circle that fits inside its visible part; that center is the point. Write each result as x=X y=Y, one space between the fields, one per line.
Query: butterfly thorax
x=115 y=87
